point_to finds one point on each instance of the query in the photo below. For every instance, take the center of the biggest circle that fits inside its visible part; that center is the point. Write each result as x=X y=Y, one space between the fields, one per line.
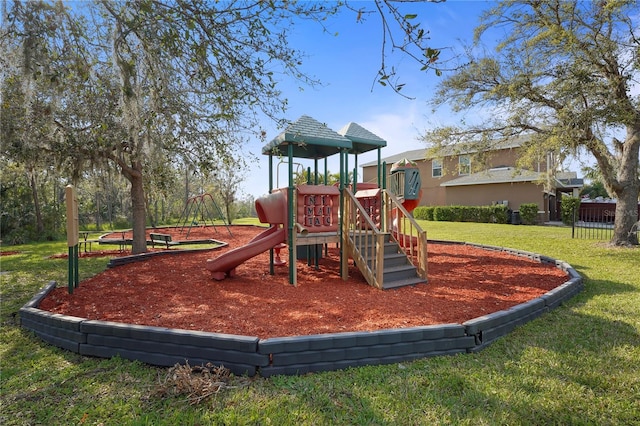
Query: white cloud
x=400 y=130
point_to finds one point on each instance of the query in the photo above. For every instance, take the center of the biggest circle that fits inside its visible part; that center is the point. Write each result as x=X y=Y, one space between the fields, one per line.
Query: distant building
x=448 y=178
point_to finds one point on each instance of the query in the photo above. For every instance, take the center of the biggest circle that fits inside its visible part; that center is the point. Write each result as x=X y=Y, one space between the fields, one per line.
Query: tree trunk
x=626 y=216
x=36 y=203
x=627 y=190
x=139 y=211
x=98 y=213
x=134 y=175
x=229 y=218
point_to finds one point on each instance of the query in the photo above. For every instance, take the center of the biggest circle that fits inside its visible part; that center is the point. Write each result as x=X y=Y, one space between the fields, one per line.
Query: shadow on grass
x=561 y=368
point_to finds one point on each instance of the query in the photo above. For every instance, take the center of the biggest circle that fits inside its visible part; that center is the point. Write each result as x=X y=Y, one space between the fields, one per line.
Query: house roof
x=414 y=155
x=497 y=175
x=310 y=139
x=470 y=148
x=569 y=180
x=513 y=175
x=362 y=139
x=447 y=151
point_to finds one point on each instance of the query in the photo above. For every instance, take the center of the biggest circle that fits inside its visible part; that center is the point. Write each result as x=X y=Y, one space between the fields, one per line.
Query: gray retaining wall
x=249 y=355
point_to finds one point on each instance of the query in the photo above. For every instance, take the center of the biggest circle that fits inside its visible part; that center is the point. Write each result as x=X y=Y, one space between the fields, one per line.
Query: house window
x=436 y=168
x=464 y=165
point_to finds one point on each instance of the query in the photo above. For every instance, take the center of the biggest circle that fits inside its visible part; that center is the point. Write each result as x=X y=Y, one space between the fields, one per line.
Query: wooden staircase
x=385 y=260
x=397 y=270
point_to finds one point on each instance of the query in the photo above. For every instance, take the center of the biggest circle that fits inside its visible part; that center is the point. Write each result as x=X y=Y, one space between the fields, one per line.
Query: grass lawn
x=579 y=364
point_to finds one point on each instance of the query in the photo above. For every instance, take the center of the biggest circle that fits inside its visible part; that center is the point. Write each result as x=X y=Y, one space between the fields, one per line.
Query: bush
x=423 y=213
x=18 y=236
x=457 y=213
x=469 y=213
x=568 y=205
x=443 y=214
x=529 y=213
x=499 y=213
x=121 y=222
x=478 y=214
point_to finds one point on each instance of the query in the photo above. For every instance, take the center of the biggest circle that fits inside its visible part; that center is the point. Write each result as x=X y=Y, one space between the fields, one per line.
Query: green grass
x=249 y=221
x=575 y=365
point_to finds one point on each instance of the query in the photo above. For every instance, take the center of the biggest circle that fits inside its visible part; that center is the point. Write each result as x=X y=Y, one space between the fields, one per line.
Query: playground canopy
x=312 y=139
x=309 y=139
x=361 y=139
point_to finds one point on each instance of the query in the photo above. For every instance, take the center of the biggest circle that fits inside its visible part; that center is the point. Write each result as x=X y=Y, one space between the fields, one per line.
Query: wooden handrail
x=363 y=240
x=406 y=231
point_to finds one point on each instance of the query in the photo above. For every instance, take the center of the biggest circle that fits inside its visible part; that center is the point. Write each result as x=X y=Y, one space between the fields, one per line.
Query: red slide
x=225 y=265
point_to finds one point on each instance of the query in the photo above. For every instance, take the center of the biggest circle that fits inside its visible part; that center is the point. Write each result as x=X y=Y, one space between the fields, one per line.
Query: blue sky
x=347 y=64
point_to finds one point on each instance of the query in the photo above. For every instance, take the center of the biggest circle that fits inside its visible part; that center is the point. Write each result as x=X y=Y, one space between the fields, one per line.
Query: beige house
x=449 y=179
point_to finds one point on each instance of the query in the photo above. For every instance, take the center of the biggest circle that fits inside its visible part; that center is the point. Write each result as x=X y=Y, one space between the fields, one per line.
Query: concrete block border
x=249 y=355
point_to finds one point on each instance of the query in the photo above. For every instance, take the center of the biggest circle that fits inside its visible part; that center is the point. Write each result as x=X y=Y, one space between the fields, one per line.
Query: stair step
x=399 y=272
x=391 y=260
x=402 y=283
x=369 y=238
x=389 y=248
x=395 y=259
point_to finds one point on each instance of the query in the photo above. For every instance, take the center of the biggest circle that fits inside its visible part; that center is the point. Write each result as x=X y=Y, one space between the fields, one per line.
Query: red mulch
x=177 y=291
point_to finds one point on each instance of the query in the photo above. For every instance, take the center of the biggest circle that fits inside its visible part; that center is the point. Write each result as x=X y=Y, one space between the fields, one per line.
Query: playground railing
x=411 y=238
x=364 y=241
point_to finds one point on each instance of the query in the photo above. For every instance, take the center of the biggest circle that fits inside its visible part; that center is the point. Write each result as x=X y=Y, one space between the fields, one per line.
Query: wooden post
x=72 y=235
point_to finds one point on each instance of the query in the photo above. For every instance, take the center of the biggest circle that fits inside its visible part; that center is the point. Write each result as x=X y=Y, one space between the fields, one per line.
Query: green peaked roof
x=310 y=139
x=363 y=140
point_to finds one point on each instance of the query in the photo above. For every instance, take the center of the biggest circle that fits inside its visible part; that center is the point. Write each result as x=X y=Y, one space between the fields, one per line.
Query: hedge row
x=481 y=214
x=529 y=213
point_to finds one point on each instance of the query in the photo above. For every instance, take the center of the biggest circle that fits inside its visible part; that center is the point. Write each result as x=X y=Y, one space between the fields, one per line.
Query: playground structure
x=365 y=209
x=197 y=212
x=371 y=225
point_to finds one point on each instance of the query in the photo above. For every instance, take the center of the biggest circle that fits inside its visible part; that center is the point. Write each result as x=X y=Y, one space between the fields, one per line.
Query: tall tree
x=185 y=75
x=141 y=84
x=192 y=73
x=566 y=72
x=28 y=69
x=227 y=183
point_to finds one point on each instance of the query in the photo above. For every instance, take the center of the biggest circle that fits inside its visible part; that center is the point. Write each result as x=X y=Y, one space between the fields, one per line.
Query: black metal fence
x=593 y=222
x=596 y=221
